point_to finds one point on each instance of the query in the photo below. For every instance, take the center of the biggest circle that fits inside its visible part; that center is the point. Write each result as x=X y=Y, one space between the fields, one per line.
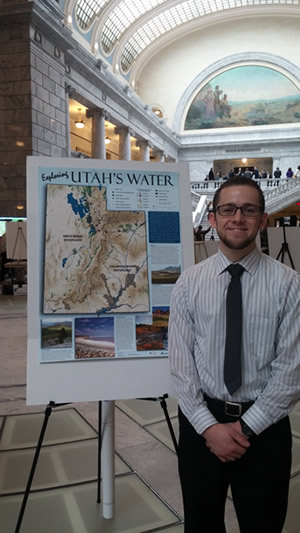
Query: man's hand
x=226 y=441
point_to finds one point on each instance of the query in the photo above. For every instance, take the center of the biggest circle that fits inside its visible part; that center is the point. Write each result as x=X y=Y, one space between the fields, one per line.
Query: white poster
x=106 y=242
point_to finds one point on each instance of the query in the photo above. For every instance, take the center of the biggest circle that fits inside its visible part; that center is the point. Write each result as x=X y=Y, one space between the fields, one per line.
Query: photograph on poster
x=152 y=332
x=94 y=337
x=56 y=334
x=169 y=274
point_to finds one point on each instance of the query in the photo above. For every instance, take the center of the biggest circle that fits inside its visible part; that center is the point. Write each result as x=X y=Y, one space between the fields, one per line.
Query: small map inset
x=95 y=260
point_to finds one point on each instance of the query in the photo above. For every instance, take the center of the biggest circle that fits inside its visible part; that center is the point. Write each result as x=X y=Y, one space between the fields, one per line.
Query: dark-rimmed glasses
x=229 y=210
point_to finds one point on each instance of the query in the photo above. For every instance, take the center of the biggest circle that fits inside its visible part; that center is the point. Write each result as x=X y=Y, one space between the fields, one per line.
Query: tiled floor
x=64 y=489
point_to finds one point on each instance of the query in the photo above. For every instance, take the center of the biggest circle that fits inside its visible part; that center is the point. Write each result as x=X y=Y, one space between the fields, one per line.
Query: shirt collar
x=250 y=262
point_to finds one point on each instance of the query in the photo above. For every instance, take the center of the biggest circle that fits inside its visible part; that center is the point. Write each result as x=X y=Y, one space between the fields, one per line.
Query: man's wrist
x=247 y=431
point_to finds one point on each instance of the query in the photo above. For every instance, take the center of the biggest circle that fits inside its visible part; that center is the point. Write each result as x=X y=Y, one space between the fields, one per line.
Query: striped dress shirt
x=270 y=339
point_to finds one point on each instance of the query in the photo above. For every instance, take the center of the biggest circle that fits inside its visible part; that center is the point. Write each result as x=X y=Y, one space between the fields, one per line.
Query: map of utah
x=95 y=259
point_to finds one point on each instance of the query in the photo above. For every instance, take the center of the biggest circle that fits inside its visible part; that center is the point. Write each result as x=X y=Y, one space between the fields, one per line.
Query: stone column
x=70 y=93
x=124 y=143
x=144 y=150
x=160 y=156
x=98 y=133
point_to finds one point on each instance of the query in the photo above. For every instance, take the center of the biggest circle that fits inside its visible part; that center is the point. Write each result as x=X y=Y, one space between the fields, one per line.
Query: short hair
x=237 y=181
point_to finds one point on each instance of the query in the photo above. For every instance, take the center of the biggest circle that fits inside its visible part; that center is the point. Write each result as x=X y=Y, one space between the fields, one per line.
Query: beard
x=237 y=245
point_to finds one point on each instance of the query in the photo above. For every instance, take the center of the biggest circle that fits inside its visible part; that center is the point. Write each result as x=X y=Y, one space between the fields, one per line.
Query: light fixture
x=79 y=123
x=107 y=140
x=20 y=207
x=157 y=112
x=244 y=160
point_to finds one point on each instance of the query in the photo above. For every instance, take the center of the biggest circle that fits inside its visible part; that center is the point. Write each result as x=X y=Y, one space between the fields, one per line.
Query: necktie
x=232 y=363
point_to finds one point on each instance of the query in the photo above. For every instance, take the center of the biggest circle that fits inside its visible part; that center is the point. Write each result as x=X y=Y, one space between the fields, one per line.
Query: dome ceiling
x=123 y=30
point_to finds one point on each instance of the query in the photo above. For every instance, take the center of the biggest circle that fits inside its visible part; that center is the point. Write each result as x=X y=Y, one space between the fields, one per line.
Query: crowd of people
x=255 y=174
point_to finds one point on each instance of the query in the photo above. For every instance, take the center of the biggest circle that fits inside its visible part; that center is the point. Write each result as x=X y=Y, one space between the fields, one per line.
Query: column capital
x=143 y=143
x=122 y=130
x=70 y=90
x=95 y=112
x=159 y=155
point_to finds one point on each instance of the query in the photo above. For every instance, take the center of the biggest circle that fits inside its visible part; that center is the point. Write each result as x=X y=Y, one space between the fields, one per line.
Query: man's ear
x=212 y=219
x=264 y=220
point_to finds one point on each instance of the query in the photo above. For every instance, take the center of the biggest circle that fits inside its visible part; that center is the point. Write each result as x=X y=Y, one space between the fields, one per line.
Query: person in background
x=211 y=175
x=264 y=174
x=297 y=173
x=289 y=173
x=248 y=173
x=200 y=233
x=255 y=173
x=277 y=173
x=236 y=436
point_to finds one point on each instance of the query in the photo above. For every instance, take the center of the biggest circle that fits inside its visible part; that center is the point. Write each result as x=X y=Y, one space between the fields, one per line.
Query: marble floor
x=64 y=490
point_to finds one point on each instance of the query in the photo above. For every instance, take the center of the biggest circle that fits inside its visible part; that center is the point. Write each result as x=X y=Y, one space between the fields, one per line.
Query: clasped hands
x=226 y=441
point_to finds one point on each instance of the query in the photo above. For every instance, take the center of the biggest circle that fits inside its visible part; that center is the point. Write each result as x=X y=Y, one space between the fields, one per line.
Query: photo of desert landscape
x=152 y=332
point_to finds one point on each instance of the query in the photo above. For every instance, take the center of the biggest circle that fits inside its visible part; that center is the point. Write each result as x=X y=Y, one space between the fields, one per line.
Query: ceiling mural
x=249 y=95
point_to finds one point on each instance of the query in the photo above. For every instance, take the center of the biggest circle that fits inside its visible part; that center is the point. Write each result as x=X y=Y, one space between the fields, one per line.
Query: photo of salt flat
x=94 y=338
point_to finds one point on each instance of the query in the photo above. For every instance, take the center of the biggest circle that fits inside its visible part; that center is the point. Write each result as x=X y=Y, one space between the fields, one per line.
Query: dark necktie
x=232 y=363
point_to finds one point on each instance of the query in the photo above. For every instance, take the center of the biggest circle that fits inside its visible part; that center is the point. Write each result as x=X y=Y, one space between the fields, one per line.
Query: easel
x=285 y=249
x=19 y=248
x=106 y=441
x=163 y=404
x=47 y=414
x=17 y=251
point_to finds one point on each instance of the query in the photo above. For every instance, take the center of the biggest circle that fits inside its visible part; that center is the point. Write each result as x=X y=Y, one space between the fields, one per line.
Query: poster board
x=81 y=212
x=276 y=240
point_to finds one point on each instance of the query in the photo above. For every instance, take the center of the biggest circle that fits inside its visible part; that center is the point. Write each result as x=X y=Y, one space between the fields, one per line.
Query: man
x=247 y=173
x=240 y=438
x=255 y=173
x=277 y=174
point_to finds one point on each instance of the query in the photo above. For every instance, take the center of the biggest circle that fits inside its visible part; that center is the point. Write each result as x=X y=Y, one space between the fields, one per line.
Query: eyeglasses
x=229 y=210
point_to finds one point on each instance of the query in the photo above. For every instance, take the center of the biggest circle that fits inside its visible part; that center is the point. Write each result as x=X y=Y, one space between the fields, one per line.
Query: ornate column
x=159 y=156
x=98 y=132
x=144 y=147
x=124 y=143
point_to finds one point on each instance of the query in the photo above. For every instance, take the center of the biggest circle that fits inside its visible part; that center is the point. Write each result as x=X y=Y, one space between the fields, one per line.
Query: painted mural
x=245 y=96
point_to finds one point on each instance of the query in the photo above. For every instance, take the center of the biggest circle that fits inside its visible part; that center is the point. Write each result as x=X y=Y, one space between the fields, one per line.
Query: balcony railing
x=265 y=184
x=279 y=193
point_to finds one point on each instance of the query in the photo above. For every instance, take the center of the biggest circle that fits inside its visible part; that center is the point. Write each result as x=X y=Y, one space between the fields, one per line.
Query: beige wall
x=168 y=74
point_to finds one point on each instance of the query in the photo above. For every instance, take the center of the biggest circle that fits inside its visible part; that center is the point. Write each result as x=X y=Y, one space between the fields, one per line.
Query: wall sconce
x=244 y=160
x=107 y=140
x=79 y=123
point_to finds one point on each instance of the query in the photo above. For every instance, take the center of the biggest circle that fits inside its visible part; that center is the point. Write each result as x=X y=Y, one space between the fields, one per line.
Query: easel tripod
x=108 y=438
x=285 y=249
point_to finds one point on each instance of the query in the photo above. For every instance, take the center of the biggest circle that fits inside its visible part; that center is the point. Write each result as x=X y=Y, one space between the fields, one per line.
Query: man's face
x=237 y=232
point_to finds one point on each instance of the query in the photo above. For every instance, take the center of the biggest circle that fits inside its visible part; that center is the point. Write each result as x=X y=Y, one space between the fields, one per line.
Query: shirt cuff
x=202 y=419
x=256 y=419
